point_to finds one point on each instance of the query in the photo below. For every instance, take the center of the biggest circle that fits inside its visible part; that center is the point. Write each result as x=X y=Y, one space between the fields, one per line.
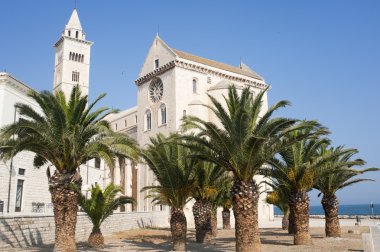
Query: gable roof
x=243 y=71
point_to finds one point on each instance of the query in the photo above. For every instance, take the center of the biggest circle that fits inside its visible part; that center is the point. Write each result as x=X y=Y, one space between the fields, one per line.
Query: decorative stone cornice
x=11 y=81
x=162 y=69
x=73 y=39
x=200 y=69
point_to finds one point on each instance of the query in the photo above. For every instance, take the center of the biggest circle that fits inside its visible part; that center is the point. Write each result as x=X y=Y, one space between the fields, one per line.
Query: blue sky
x=323 y=56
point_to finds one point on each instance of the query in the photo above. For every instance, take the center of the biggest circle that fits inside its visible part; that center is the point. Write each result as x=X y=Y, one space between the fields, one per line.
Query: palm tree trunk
x=122 y=179
x=65 y=190
x=330 y=206
x=96 y=239
x=226 y=215
x=178 y=226
x=300 y=204
x=202 y=219
x=285 y=221
x=214 y=223
x=291 y=228
x=245 y=196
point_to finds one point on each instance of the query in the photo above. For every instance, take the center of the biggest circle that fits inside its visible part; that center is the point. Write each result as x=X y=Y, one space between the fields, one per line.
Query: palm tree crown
x=65 y=133
x=339 y=173
x=173 y=170
x=247 y=137
x=296 y=166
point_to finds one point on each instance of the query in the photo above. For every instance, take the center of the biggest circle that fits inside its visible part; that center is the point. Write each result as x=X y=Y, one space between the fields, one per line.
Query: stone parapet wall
x=38 y=229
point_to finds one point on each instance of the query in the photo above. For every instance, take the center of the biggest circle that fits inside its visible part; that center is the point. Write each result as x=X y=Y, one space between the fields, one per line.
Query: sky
x=323 y=56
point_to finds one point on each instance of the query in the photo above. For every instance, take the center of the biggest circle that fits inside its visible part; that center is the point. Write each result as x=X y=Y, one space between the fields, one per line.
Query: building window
x=148 y=120
x=136 y=118
x=125 y=123
x=184 y=112
x=162 y=114
x=69 y=32
x=156 y=64
x=97 y=163
x=21 y=171
x=20 y=187
x=115 y=126
x=194 y=86
x=82 y=58
x=76 y=34
x=75 y=76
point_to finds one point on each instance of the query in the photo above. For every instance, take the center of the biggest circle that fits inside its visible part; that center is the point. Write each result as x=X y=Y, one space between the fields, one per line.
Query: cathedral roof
x=239 y=70
x=225 y=84
x=74 y=22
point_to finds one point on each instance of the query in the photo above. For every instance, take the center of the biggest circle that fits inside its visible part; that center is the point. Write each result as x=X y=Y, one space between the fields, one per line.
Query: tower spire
x=74 y=22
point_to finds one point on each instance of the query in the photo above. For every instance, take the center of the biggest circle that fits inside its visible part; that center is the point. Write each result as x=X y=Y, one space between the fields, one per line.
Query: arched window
x=75 y=76
x=69 y=33
x=76 y=34
x=82 y=59
x=148 y=120
x=70 y=56
x=162 y=114
x=97 y=163
x=156 y=63
x=195 y=86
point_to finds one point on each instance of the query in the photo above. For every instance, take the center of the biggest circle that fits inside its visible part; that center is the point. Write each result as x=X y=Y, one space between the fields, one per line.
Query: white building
x=171 y=84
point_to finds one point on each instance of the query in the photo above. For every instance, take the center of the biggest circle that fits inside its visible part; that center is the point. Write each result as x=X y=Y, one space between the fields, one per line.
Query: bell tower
x=72 y=58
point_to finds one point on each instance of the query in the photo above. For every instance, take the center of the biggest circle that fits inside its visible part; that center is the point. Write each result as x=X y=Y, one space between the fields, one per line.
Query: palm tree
x=174 y=171
x=279 y=197
x=207 y=181
x=242 y=144
x=338 y=174
x=64 y=134
x=101 y=206
x=296 y=169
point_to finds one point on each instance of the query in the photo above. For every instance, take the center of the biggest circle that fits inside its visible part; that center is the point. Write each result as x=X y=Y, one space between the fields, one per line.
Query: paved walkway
x=375 y=232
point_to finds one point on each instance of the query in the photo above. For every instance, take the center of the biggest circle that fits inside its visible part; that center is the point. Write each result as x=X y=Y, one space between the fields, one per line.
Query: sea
x=363 y=209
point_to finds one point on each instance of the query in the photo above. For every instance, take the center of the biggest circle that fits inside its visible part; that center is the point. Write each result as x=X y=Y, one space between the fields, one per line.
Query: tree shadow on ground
x=274 y=232
x=269 y=237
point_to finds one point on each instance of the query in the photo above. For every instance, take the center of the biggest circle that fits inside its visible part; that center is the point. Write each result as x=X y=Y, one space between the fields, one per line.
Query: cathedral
x=171 y=84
